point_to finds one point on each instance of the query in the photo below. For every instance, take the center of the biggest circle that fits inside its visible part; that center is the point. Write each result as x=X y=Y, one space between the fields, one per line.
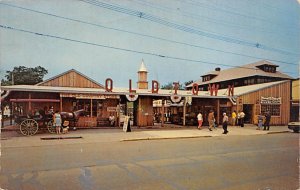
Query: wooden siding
x=296 y=90
x=281 y=90
x=145 y=111
x=72 y=79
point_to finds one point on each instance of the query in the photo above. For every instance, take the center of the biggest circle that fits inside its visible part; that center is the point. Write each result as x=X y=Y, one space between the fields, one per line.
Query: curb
x=276 y=132
x=57 y=138
x=162 y=138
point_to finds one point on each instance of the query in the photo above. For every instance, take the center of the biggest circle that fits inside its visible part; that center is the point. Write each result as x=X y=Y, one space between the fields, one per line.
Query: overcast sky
x=179 y=40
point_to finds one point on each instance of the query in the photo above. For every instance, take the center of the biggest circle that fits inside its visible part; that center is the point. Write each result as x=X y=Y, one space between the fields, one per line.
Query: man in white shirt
x=200 y=120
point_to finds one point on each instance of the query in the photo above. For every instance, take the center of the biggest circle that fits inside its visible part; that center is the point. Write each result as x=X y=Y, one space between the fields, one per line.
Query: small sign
x=125 y=125
x=132 y=97
x=189 y=100
x=111 y=109
x=270 y=100
x=175 y=98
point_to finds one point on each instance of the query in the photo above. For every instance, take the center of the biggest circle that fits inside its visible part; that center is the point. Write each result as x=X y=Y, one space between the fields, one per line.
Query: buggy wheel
x=50 y=127
x=29 y=127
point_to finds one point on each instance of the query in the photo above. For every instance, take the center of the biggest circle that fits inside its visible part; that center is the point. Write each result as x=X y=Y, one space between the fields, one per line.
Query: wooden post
x=2 y=116
x=61 y=104
x=29 y=104
x=11 y=113
x=91 y=107
x=184 y=111
x=119 y=111
x=218 y=111
x=162 y=112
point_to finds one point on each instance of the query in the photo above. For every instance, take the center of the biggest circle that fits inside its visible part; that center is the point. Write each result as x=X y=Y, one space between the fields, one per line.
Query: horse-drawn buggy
x=30 y=124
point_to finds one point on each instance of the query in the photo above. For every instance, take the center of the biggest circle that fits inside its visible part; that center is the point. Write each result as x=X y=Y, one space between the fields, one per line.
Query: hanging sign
x=270 y=100
x=175 y=98
x=189 y=100
x=132 y=97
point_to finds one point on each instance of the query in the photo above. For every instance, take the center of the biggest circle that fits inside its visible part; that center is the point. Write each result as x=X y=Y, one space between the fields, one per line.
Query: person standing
x=210 y=119
x=57 y=122
x=267 y=122
x=225 y=123
x=200 y=120
x=260 y=121
x=233 y=117
x=241 y=118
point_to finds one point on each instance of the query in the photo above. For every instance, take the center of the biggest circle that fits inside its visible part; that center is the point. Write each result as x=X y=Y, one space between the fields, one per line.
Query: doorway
x=248 y=110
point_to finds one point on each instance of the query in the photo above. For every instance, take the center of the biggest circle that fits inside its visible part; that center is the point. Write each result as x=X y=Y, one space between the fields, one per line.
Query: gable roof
x=242 y=72
x=71 y=78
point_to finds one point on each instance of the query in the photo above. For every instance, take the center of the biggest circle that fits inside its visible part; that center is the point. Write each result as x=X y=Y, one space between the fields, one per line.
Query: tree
x=188 y=82
x=23 y=75
x=170 y=86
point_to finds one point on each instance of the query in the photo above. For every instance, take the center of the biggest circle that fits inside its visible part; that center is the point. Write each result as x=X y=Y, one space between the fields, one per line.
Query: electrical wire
x=184 y=28
x=199 y=4
x=145 y=35
x=211 y=20
x=118 y=48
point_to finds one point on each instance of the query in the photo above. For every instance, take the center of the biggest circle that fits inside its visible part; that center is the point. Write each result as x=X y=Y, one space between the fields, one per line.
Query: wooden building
x=66 y=92
x=295 y=101
x=72 y=91
x=249 y=74
x=269 y=90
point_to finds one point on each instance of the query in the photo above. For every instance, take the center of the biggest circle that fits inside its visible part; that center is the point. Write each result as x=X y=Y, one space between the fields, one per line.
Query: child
x=57 y=121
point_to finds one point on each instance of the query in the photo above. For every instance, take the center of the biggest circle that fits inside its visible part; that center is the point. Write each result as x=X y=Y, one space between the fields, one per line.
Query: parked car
x=294 y=126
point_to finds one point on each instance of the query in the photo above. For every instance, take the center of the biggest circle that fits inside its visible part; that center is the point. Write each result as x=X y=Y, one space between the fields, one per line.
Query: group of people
x=60 y=126
x=264 y=121
x=237 y=119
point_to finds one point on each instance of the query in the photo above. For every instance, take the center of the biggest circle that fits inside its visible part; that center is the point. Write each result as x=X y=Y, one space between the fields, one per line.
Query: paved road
x=239 y=162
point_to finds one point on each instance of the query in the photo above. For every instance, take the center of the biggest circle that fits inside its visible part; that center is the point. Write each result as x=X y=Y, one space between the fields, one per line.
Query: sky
x=179 y=40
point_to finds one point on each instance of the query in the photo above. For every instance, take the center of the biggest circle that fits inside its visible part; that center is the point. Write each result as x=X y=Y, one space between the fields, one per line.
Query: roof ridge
x=68 y=71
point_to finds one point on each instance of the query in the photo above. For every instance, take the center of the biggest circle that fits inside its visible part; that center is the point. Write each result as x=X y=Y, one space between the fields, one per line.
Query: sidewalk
x=13 y=139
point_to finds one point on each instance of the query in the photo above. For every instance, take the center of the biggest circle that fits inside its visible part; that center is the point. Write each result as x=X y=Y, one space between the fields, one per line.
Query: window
x=273 y=109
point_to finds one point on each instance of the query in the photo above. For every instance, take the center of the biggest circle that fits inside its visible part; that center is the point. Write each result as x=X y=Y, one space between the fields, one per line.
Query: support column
x=218 y=111
x=162 y=112
x=29 y=104
x=91 y=107
x=118 y=112
x=184 y=111
x=61 y=104
x=11 y=112
x=2 y=116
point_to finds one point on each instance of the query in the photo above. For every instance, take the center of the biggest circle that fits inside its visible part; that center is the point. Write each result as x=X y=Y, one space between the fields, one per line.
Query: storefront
x=73 y=91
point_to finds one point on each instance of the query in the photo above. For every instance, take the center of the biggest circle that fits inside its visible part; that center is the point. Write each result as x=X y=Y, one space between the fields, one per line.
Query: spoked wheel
x=50 y=127
x=29 y=127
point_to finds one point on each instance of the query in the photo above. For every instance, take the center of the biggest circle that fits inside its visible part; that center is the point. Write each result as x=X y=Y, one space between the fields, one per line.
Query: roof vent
x=218 y=69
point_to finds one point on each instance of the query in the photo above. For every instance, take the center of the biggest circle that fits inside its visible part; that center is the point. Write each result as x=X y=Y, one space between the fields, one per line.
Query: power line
x=184 y=28
x=199 y=4
x=118 y=48
x=211 y=20
x=145 y=35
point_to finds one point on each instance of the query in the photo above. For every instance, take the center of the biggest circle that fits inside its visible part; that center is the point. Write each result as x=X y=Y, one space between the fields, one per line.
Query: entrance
x=248 y=110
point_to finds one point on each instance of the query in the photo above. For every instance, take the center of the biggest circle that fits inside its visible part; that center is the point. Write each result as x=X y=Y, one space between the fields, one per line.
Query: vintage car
x=294 y=126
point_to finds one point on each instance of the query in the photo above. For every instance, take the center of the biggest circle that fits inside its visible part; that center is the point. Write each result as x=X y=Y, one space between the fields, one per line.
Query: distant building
x=295 y=101
x=254 y=73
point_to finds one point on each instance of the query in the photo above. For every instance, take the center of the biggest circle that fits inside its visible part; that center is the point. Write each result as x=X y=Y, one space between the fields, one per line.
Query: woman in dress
x=57 y=121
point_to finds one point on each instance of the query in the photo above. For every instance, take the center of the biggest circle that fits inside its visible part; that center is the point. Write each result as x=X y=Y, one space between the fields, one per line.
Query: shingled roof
x=244 y=71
